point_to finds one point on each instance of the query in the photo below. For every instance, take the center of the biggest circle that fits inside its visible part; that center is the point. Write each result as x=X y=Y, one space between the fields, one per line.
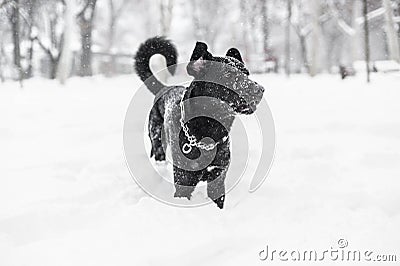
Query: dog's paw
x=158 y=153
x=159 y=157
x=182 y=194
x=220 y=202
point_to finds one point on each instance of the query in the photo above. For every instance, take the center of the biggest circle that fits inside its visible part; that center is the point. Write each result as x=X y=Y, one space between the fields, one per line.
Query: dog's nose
x=258 y=89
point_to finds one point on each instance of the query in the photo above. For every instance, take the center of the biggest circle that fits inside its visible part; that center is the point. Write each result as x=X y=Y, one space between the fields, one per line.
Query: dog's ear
x=198 y=59
x=199 y=50
x=233 y=52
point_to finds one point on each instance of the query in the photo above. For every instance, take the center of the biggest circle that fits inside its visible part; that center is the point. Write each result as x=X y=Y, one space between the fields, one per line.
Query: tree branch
x=4 y=3
x=87 y=5
x=45 y=49
x=80 y=14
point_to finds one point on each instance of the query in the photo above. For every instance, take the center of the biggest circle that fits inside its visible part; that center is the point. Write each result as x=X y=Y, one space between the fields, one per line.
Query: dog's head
x=226 y=77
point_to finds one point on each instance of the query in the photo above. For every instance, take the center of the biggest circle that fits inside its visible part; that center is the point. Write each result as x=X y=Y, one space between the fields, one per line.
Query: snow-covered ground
x=67 y=198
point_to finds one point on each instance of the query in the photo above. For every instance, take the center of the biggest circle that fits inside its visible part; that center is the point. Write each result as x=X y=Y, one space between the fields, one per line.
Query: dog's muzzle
x=250 y=95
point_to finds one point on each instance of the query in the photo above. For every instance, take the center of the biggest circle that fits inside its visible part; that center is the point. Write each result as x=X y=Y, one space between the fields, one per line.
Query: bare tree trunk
x=65 y=61
x=304 y=52
x=15 y=27
x=265 y=26
x=316 y=36
x=196 y=21
x=85 y=19
x=28 y=73
x=245 y=32
x=166 y=7
x=115 y=14
x=53 y=59
x=2 y=61
x=366 y=39
x=287 y=44
x=53 y=68
x=29 y=70
x=392 y=38
x=111 y=36
x=86 y=49
x=398 y=14
x=355 y=38
x=252 y=22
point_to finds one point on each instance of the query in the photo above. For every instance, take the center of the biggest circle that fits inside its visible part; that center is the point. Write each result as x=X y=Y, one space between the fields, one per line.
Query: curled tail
x=155 y=45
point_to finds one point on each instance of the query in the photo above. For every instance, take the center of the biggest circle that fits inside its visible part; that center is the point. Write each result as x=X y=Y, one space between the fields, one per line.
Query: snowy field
x=67 y=198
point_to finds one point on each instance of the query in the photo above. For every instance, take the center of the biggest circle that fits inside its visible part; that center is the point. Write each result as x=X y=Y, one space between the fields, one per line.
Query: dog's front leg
x=216 y=185
x=156 y=126
x=185 y=182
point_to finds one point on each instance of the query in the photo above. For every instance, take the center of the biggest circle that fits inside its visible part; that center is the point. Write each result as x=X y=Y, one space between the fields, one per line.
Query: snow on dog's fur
x=224 y=79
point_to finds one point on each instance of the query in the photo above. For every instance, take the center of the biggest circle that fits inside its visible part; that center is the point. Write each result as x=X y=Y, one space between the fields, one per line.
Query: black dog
x=200 y=145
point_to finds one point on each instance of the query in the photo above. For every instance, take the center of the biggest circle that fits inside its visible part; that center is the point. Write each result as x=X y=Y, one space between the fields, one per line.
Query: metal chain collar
x=187 y=147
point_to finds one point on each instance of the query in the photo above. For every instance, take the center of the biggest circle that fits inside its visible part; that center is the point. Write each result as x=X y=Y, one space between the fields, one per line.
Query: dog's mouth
x=245 y=108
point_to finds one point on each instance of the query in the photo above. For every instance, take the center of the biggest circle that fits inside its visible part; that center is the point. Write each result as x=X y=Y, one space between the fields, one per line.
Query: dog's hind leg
x=216 y=185
x=156 y=126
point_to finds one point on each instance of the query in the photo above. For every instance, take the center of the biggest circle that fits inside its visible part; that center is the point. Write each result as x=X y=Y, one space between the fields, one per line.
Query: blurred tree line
x=61 y=38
